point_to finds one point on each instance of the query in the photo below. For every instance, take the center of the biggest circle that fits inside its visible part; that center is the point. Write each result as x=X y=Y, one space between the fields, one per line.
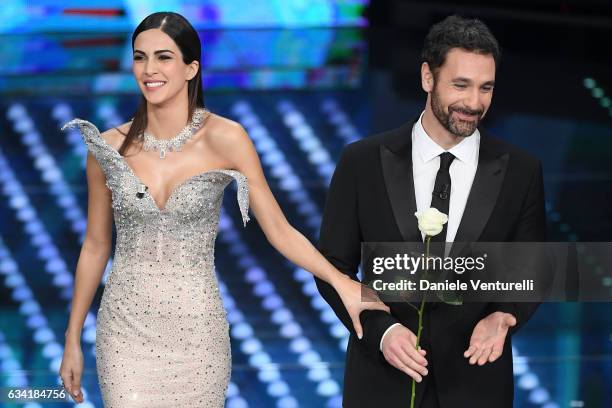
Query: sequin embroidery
x=162 y=336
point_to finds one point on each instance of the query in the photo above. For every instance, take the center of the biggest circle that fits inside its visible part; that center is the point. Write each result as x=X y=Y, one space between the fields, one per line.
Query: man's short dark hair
x=469 y=34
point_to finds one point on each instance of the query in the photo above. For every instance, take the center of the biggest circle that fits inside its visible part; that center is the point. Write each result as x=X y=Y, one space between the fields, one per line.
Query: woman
x=162 y=335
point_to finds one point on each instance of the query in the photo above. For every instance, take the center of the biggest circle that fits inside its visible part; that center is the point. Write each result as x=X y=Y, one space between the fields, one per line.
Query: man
x=496 y=194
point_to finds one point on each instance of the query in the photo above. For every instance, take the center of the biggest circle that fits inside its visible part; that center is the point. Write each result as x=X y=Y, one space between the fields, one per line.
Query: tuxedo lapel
x=492 y=164
x=396 y=160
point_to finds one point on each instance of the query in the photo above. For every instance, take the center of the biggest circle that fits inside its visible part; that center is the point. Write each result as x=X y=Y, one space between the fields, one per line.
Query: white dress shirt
x=425 y=165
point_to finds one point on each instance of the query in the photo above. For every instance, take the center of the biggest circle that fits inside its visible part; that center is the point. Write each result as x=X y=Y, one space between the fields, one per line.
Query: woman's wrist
x=338 y=279
x=72 y=337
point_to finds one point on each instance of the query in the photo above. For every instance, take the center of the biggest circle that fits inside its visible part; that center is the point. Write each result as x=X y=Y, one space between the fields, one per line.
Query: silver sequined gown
x=162 y=335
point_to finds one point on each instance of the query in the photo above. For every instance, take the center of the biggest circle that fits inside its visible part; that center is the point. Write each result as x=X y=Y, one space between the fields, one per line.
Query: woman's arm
x=95 y=250
x=236 y=147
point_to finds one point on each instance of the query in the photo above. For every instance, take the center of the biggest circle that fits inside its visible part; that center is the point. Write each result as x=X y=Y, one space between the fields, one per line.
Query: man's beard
x=457 y=127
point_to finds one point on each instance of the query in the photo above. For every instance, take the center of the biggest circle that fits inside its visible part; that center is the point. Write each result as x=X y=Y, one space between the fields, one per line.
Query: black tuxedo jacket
x=371 y=199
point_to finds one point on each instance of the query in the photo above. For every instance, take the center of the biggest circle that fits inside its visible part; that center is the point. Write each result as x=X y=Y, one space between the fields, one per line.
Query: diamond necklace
x=175 y=143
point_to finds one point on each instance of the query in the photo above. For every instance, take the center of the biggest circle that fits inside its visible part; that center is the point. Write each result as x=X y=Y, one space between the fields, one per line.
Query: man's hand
x=399 y=349
x=488 y=337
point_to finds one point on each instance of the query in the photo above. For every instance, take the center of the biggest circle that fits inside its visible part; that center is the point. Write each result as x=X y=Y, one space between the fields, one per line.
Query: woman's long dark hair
x=186 y=38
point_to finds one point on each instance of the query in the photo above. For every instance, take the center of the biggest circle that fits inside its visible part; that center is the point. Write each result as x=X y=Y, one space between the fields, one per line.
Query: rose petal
x=431 y=221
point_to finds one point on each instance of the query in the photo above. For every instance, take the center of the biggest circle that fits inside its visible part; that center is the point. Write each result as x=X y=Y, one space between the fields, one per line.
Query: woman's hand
x=357 y=298
x=71 y=370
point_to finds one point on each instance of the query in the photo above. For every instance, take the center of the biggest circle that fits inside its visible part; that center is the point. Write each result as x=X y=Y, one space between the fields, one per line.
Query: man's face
x=462 y=91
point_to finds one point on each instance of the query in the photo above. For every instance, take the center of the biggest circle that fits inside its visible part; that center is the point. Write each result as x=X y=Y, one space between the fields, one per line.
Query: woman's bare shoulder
x=221 y=132
x=114 y=137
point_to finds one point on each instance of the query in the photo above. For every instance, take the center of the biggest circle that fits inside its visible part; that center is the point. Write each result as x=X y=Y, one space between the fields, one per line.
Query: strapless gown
x=162 y=337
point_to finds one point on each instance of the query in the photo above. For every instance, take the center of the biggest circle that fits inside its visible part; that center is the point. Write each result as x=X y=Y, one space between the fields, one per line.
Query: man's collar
x=427 y=149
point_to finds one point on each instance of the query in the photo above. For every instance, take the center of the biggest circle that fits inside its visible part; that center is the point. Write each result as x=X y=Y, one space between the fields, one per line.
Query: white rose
x=431 y=221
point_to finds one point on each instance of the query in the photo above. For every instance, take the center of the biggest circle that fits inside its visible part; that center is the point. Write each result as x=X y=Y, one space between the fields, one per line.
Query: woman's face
x=158 y=67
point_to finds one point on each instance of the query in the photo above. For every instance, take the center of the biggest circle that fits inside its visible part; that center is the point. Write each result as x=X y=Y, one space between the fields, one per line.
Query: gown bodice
x=183 y=232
